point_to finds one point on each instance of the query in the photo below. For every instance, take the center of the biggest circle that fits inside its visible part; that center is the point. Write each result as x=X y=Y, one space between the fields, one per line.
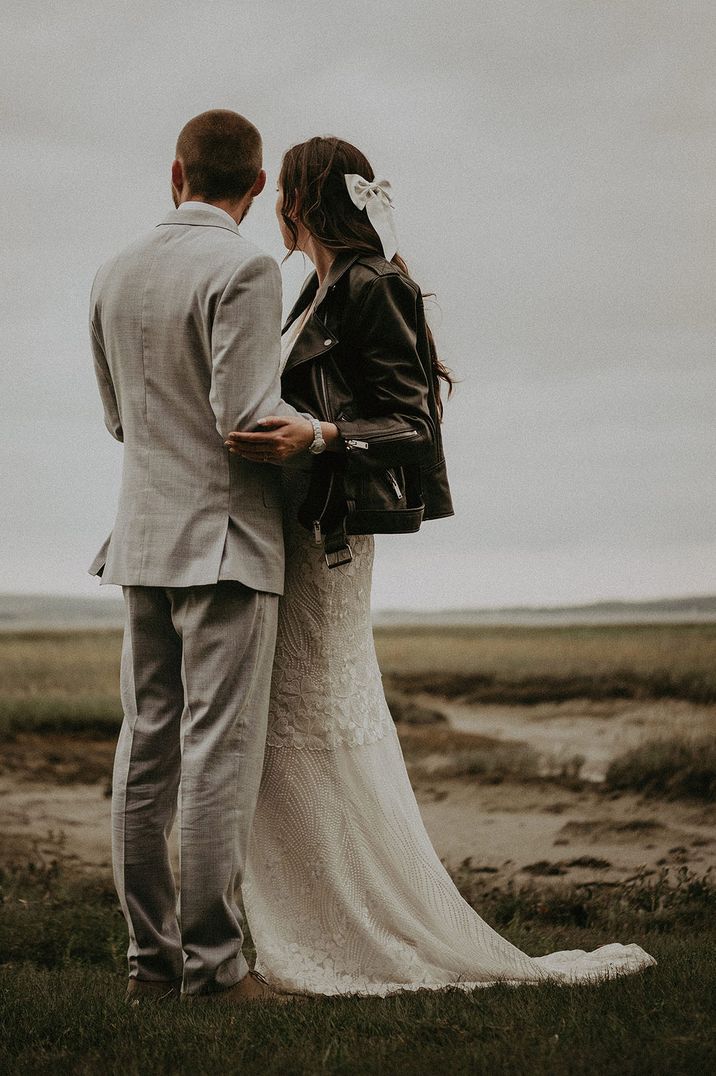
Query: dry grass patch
x=69 y=681
x=529 y=665
x=676 y=768
x=66 y=664
x=63 y=758
x=600 y=829
x=60 y=681
x=442 y=752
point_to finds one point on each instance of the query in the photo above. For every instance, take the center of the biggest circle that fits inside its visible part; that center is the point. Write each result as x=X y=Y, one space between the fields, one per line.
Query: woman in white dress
x=344 y=893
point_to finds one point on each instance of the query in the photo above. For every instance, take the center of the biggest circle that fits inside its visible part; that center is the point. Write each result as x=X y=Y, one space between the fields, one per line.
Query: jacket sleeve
x=394 y=425
x=246 y=348
x=105 y=384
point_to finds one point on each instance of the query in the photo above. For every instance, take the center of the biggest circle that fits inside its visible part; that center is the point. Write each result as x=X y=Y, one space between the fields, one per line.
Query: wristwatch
x=318 y=445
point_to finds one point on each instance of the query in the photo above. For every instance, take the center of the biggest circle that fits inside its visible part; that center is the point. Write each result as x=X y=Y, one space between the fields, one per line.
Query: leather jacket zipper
x=326 y=408
x=317 y=536
x=354 y=443
x=394 y=483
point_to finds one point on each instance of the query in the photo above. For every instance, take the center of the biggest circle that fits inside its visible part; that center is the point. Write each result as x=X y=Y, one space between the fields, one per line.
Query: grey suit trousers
x=195 y=682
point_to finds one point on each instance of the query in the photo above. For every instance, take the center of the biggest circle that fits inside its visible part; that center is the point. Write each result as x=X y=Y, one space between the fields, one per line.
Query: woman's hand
x=283 y=438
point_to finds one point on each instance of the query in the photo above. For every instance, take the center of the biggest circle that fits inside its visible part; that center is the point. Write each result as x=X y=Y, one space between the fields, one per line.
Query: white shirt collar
x=206 y=205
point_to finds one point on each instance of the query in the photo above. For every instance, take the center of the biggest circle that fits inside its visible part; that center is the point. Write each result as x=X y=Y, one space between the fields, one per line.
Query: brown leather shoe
x=253 y=987
x=140 y=991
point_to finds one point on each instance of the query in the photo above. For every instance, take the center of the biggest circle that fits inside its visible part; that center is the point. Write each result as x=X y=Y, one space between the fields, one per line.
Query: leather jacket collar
x=317 y=336
x=342 y=262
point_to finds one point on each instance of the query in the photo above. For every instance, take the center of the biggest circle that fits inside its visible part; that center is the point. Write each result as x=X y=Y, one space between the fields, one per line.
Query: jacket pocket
x=435 y=490
x=382 y=505
x=384 y=521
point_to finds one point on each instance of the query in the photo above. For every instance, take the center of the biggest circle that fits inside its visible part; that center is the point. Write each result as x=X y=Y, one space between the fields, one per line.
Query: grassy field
x=72 y=1021
x=62 y=937
x=60 y=680
x=61 y=981
x=531 y=665
x=69 y=680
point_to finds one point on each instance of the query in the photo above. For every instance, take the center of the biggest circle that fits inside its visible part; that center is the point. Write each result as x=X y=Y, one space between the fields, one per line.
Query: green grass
x=55 y=918
x=62 y=981
x=676 y=901
x=658 y=1022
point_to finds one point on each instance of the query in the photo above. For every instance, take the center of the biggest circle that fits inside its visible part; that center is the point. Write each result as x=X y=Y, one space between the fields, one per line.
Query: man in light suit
x=185 y=330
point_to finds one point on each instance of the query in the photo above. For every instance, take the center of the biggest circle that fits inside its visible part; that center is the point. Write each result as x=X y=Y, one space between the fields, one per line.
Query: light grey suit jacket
x=185 y=327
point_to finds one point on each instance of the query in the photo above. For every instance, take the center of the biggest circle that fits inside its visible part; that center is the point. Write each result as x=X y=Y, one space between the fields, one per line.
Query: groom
x=185 y=329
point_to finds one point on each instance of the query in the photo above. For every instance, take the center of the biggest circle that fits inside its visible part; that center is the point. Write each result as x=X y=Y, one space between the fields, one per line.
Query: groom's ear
x=259 y=184
x=177 y=175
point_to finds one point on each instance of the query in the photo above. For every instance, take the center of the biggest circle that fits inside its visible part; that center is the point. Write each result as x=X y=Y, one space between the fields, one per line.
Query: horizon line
x=452 y=610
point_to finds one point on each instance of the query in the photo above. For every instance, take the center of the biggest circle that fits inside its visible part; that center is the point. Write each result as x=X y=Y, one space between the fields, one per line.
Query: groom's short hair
x=221 y=154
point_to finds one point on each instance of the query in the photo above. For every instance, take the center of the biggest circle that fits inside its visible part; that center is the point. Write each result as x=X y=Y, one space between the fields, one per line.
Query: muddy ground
x=549 y=818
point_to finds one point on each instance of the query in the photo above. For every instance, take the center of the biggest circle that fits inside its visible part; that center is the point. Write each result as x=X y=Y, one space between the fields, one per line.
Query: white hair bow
x=374 y=197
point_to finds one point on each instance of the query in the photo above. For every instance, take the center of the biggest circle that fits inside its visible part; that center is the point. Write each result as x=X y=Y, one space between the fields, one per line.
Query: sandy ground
x=594 y=731
x=543 y=830
x=54 y=798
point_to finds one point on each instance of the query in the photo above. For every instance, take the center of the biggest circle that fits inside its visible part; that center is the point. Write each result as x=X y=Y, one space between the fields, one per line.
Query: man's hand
x=283 y=438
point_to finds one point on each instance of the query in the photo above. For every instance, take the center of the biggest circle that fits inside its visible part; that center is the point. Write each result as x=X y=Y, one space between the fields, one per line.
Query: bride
x=343 y=891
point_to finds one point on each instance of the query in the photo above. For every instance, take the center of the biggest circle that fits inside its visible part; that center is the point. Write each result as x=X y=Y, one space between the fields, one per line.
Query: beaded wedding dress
x=343 y=891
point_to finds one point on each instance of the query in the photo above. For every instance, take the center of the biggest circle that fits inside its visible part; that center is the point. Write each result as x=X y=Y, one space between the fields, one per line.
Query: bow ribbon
x=374 y=197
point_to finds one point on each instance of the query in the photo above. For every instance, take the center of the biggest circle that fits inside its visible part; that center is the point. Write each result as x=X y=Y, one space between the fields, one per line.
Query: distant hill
x=668 y=610
x=37 y=612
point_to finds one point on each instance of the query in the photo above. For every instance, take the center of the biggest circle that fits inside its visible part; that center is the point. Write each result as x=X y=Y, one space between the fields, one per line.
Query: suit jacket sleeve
x=246 y=348
x=105 y=384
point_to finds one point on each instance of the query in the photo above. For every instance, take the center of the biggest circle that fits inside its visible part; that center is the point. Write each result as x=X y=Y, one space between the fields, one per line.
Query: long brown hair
x=314 y=193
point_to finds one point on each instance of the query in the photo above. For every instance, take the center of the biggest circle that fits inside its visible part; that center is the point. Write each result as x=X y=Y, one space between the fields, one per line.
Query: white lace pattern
x=343 y=891
x=326 y=688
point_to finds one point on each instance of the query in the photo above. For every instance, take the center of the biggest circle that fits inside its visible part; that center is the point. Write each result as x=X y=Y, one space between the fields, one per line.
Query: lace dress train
x=343 y=891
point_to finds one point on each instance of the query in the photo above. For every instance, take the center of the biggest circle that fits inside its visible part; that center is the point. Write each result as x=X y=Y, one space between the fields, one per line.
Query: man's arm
x=246 y=348
x=105 y=384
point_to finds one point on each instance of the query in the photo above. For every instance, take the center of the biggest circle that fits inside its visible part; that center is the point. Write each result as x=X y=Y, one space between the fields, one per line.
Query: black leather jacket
x=362 y=361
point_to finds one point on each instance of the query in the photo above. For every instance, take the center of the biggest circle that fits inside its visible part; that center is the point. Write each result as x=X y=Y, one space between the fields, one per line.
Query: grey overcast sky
x=552 y=164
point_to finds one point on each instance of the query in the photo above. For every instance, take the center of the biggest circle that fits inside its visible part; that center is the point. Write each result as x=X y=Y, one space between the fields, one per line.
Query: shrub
x=677 y=768
x=650 y=900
